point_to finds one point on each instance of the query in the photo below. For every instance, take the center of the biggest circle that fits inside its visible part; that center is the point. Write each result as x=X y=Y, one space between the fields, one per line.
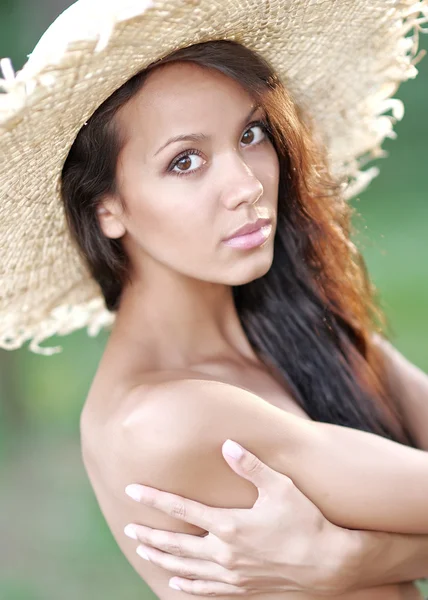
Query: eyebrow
x=197 y=137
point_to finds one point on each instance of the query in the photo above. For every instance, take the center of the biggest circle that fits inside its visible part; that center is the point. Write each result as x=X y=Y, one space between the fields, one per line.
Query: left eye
x=260 y=126
x=184 y=159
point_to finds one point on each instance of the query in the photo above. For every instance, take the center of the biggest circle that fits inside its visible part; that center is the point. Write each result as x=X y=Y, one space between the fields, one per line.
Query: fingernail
x=130 y=532
x=133 y=491
x=141 y=553
x=233 y=449
x=174 y=586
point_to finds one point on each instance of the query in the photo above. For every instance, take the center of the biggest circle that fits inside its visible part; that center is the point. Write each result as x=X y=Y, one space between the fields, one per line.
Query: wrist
x=367 y=551
x=360 y=559
x=345 y=549
x=357 y=556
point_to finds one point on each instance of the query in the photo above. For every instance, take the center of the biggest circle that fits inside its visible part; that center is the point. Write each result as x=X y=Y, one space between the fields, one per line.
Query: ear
x=110 y=218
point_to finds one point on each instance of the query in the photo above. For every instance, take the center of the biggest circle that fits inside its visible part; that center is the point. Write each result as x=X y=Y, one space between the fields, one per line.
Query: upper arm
x=172 y=440
x=409 y=384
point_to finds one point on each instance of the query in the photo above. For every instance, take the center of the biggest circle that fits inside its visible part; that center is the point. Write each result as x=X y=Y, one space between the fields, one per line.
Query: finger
x=178 y=544
x=189 y=568
x=190 y=511
x=208 y=588
x=247 y=465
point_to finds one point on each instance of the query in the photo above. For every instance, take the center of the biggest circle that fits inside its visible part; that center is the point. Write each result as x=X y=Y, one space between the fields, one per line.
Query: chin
x=254 y=267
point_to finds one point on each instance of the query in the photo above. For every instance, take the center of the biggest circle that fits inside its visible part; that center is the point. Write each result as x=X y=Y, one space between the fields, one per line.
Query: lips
x=249 y=228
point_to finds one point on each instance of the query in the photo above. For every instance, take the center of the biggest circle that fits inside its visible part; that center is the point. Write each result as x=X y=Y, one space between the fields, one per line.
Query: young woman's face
x=183 y=198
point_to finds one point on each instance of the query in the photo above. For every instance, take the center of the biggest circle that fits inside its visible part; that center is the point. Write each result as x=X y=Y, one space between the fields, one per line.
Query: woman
x=271 y=331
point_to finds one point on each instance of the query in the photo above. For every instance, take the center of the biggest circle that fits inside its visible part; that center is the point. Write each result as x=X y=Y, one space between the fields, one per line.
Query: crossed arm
x=358 y=480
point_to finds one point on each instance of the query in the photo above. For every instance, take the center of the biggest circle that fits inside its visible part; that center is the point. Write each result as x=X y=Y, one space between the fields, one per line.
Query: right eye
x=184 y=160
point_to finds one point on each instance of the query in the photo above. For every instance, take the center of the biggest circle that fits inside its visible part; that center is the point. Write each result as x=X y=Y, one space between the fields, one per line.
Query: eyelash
x=261 y=123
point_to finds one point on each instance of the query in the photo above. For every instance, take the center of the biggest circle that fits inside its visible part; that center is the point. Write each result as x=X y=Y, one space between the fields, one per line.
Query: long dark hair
x=313 y=315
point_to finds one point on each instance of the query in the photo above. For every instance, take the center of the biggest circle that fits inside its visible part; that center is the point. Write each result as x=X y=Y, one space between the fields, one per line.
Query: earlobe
x=110 y=223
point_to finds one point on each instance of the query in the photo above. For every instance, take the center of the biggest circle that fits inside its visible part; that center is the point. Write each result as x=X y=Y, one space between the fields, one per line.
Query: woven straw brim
x=341 y=60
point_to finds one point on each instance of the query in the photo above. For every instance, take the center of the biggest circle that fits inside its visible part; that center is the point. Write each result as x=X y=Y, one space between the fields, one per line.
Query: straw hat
x=341 y=60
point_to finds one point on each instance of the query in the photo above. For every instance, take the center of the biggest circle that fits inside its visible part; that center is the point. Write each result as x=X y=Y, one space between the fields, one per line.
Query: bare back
x=111 y=404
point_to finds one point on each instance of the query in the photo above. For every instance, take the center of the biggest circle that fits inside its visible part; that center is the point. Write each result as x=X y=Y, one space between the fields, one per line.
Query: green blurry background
x=54 y=544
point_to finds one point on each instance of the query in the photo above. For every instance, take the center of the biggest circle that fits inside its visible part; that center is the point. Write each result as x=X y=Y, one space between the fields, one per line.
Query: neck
x=181 y=321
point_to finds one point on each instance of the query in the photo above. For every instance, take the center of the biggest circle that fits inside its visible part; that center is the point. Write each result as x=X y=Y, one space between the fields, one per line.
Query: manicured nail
x=140 y=552
x=130 y=532
x=133 y=491
x=232 y=449
x=174 y=586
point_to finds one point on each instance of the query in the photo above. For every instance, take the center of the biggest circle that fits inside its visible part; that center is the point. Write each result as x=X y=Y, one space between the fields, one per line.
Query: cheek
x=269 y=174
x=264 y=163
x=173 y=222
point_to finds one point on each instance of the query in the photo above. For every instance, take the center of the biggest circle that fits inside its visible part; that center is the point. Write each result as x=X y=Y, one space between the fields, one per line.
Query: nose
x=241 y=186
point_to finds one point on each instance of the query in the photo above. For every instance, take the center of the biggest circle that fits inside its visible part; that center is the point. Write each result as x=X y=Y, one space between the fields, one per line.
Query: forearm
x=385 y=558
x=360 y=480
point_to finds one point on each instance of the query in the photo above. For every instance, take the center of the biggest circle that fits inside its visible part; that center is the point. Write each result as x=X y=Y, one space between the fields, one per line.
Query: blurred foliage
x=54 y=542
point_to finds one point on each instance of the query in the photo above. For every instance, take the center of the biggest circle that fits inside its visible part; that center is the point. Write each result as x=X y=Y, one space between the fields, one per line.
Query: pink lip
x=251 y=240
x=249 y=228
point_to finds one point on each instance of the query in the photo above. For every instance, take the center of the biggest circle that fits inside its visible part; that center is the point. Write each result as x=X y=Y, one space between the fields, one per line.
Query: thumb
x=247 y=465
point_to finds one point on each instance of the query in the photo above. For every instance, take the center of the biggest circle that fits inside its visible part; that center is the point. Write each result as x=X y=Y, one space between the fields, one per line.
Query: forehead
x=182 y=98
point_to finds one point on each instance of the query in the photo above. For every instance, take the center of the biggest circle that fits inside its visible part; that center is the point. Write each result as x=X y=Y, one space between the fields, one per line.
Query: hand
x=283 y=543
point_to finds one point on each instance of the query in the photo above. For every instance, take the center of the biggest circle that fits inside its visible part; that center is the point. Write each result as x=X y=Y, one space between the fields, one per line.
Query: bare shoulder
x=393 y=357
x=170 y=431
x=404 y=376
x=189 y=411
x=409 y=386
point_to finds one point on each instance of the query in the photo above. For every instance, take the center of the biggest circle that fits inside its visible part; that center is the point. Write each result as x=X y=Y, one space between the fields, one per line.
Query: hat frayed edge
x=63 y=320
x=414 y=15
